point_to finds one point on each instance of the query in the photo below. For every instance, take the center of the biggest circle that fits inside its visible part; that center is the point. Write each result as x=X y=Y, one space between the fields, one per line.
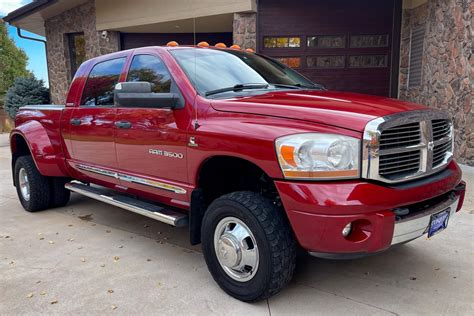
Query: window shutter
x=416 y=56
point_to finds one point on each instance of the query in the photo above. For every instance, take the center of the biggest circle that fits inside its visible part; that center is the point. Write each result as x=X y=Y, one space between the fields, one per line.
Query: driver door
x=151 y=142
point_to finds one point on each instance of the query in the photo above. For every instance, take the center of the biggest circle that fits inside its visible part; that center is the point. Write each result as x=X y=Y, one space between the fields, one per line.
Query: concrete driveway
x=92 y=258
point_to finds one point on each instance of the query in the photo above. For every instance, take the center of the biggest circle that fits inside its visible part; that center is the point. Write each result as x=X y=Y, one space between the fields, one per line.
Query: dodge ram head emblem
x=430 y=146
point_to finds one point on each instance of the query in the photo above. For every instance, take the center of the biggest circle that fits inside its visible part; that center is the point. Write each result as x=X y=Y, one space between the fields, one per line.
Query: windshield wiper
x=238 y=87
x=298 y=85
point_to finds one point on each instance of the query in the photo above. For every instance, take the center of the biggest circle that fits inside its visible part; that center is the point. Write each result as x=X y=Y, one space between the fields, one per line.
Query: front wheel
x=248 y=246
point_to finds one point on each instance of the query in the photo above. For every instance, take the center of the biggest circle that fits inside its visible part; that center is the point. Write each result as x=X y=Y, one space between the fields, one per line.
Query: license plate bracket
x=438 y=222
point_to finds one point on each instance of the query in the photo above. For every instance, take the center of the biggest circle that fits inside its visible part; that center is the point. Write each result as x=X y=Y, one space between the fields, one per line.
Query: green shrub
x=25 y=91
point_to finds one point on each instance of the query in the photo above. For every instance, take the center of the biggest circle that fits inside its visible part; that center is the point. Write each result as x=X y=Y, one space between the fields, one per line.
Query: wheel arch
x=222 y=174
x=31 y=138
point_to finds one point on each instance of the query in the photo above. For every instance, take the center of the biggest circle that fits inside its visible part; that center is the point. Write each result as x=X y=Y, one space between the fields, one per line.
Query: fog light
x=347 y=230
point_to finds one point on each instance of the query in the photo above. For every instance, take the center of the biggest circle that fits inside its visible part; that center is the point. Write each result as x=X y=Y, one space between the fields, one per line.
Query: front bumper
x=319 y=211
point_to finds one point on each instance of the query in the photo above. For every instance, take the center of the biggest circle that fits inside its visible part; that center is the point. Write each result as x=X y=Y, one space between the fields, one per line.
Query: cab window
x=150 y=69
x=99 y=88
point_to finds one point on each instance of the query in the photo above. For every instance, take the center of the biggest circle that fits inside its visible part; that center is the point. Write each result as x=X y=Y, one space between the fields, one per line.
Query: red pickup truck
x=253 y=156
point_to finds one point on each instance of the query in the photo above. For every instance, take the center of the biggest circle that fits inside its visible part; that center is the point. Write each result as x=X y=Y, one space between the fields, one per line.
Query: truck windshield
x=212 y=70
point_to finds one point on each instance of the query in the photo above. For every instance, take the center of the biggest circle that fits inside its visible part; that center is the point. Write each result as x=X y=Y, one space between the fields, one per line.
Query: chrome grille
x=406 y=145
x=400 y=136
x=441 y=128
x=399 y=163
x=439 y=153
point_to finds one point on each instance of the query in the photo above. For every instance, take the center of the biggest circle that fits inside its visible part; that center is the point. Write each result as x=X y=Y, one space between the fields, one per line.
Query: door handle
x=123 y=124
x=75 y=122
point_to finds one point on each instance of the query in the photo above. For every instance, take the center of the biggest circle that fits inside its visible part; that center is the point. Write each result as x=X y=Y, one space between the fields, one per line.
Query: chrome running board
x=130 y=204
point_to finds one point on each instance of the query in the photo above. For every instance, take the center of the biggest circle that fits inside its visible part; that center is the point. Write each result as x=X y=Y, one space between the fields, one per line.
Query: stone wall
x=245 y=30
x=78 y=19
x=448 y=65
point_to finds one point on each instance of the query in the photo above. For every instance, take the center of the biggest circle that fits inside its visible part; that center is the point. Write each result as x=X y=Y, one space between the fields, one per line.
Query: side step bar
x=130 y=204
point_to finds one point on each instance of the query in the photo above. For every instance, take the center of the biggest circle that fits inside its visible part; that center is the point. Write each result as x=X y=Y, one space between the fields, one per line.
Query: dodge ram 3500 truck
x=253 y=156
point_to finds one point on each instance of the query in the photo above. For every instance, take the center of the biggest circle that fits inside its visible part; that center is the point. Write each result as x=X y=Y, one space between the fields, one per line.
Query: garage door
x=134 y=40
x=345 y=45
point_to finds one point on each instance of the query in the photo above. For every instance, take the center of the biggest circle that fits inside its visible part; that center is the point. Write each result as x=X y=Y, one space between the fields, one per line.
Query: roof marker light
x=172 y=44
x=203 y=44
x=249 y=50
x=220 y=45
x=235 y=46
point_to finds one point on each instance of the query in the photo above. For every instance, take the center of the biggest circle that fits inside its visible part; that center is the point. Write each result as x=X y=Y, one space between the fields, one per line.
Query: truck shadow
x=407 y=266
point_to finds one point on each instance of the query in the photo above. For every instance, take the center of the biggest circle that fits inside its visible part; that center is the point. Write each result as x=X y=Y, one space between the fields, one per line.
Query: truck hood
x=346 y=110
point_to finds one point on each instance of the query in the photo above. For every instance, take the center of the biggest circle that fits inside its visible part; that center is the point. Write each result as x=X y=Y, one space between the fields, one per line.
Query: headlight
x=318 y=156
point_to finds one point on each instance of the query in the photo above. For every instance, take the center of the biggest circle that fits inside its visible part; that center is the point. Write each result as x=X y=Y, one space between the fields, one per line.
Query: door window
x=100 y=85
x=150 y=69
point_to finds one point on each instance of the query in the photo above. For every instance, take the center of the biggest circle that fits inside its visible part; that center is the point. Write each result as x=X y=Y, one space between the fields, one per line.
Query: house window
x=368 y=61
x=292 y=62
x=416 y=56
x=326 y=61
x=327 y=41
x=365 y=41
x=282 y=42
x=77 y=51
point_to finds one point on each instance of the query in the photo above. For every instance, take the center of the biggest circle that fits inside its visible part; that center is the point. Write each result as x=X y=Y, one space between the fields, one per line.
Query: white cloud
x=7 y=6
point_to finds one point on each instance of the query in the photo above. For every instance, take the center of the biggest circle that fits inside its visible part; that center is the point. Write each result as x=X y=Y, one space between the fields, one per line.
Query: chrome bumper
x=416 y=226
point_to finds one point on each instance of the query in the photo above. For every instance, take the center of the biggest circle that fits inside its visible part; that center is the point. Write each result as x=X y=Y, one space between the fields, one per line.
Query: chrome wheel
x=24 y=184
x=236 y=249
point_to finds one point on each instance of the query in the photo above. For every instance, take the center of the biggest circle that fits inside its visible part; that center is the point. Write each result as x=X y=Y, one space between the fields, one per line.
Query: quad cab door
x=151 y=142
x=92 y=124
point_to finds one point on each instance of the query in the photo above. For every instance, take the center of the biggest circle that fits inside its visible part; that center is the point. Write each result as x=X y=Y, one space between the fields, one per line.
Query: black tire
x=40 y=192
x=274 y=238
x=59 y=195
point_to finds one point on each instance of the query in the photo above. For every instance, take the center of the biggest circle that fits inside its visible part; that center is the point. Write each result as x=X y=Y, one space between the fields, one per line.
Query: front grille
x=439 y=153
x=394 y=165
x=400 y=136
x=406 y=145
x=441 y=129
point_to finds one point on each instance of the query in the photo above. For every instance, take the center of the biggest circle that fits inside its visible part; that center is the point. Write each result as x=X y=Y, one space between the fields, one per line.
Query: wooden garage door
x=134 y=40
x=345 y=45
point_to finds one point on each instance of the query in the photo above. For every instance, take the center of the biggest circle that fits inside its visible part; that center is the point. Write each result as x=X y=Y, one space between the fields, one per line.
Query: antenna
x=196 y=122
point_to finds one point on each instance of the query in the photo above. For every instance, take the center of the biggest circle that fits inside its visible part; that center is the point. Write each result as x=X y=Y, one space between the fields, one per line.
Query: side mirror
x=139 y=95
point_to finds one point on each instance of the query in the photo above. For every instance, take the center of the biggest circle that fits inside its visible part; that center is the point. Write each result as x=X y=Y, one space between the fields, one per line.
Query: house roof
x=31 y=17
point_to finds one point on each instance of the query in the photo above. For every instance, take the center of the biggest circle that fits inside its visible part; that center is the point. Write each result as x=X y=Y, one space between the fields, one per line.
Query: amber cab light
x=203 y=44
x=220 y=45
x=172 y=44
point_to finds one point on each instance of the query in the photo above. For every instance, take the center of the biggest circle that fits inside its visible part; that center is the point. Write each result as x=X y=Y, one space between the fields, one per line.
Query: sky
x=34 y=50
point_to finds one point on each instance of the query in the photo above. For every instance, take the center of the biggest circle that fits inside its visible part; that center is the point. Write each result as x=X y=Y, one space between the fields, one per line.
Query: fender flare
x=48 y=161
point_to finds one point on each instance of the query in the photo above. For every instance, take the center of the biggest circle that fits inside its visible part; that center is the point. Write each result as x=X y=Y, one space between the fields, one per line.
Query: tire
x=59 y=195
x=38 y=185
x=267 y=227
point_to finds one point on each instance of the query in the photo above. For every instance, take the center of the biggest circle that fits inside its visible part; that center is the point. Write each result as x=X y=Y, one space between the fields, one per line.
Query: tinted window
x=99 y=89
x=151 y=69
x=210 y=69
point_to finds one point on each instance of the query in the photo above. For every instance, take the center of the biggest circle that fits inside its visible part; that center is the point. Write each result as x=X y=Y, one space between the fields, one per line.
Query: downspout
x=18 y=32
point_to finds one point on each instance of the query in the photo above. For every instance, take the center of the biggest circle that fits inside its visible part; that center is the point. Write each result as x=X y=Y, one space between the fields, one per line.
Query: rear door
x=92 y=123
x=151 y=142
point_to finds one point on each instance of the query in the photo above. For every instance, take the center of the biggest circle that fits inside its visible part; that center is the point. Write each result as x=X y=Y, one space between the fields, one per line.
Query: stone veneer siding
x=78 y=19
x=245 y=30
x=448 y=65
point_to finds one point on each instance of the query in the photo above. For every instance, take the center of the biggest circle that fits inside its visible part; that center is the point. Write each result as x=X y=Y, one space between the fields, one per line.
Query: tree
x=13 y=60
x=25 y=91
